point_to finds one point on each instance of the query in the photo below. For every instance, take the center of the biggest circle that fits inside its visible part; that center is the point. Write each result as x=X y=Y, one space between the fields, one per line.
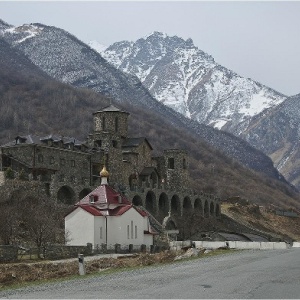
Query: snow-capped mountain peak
x=97 y=46
x=185 y=78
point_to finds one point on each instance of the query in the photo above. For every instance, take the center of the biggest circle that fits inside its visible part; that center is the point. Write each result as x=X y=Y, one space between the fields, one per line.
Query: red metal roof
x=107 y=202
x=104 y=194
x=91 y=209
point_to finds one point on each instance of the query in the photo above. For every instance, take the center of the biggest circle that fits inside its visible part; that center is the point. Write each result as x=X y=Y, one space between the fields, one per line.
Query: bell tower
x=111 y=120
x=109 y=132
x=110 y=128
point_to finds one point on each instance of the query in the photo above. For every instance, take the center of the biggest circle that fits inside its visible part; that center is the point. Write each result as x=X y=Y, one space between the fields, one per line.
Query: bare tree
x=42 y=222
x=9 y=221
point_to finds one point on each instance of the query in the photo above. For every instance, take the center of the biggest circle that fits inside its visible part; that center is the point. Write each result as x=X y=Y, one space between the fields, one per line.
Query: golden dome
x=104 y=172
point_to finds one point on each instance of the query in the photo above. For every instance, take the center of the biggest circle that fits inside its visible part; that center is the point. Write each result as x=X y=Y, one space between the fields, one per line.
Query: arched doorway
x=187 y=205
x=175 y=204
x=206 y=209
x=198 y=207
x=212 y=209
x=163 y=203
x=84 y=192
x=137 y=200
x=150 y=202
x=66 y=195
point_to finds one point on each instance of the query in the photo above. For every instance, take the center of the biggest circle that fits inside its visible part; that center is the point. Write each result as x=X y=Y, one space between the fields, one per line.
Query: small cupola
x=104 y=175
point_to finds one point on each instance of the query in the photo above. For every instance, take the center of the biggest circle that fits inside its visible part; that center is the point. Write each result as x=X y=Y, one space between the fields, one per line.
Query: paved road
x=247 y=274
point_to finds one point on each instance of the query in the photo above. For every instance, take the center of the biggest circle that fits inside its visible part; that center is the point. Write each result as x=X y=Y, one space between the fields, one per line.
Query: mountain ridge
x=185 y=78
x=53 y=50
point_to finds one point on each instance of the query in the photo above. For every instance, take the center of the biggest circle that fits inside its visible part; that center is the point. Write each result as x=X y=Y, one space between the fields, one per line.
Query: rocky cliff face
x=277 y=133
x=188 y=80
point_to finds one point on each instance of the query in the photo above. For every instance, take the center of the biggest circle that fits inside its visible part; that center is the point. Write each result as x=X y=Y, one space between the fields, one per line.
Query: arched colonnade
x=156 y=201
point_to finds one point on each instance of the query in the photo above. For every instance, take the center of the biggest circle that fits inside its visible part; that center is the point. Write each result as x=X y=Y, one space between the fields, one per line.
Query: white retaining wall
x=234 y=245
x=296 y=244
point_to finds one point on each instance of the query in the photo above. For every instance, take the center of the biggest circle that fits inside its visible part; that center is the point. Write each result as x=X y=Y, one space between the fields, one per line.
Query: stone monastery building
x=69 y=169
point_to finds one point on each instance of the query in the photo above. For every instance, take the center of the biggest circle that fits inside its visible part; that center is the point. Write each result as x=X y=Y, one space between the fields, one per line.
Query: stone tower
x=176 y=169
x=110 y=130
x=110 y=127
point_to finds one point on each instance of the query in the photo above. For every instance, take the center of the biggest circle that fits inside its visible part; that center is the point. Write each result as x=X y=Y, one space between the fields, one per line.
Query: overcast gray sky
x=256 y=39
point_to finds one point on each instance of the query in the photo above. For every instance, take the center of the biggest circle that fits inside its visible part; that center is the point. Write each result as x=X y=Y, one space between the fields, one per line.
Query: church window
x=171 y=163
x=135 y=229
x=92 y=199
x=72 y=163
x=103 y=123
x=184 y=163
x=115 y=144
x=132 y=229
x=116 y=124
x=128 y=232
x=51 y=160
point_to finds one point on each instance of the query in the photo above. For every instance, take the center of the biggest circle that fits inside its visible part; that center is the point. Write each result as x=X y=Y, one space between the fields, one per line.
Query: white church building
x=105 y=216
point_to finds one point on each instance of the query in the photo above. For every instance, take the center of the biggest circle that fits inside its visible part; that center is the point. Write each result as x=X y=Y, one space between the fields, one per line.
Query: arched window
x=137 y=201
x=163 y=203
x=175 y=204
x=150 y=202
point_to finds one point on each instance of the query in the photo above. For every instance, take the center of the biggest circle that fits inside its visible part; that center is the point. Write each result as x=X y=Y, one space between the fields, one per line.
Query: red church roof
x=105 y=201
x=104 y=195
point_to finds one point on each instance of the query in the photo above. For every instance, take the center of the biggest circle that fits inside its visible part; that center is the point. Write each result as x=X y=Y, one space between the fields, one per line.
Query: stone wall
x=65 y=251
x=178 y=245
x=15 y=189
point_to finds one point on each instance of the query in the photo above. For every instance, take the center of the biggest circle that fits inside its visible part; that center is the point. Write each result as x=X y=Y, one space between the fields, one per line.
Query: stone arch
x=206 y=209
x=187 y=204
x=198 y=207
x=150 y=202
x=218 y=210
x=84 y=192
x=169 y=223
x=175 y=204
x=66 y=195
x=137 y=200
x=163 y=203
x=212 y=208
